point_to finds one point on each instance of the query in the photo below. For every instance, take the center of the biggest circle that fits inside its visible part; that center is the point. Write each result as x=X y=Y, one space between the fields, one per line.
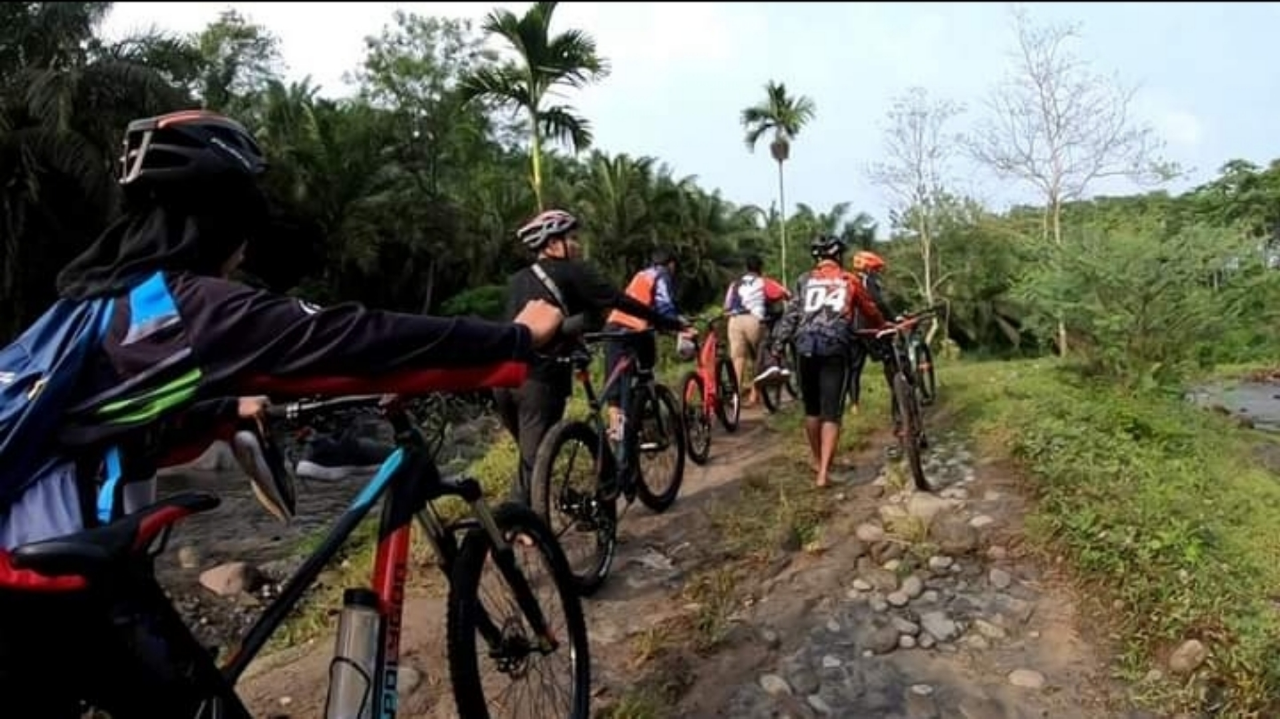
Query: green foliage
x=1139 y=302
x=487 y=301
x=1161 y=508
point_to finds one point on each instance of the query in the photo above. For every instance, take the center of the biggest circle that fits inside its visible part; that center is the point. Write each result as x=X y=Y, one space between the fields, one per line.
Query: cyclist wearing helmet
x=528 y=412
x=867 y=267
x=179 y=333
x=820 y=320
x=653 y=288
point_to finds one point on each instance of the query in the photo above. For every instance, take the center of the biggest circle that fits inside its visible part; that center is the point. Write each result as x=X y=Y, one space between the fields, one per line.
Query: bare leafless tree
x=915 y=174
x=1059 y=126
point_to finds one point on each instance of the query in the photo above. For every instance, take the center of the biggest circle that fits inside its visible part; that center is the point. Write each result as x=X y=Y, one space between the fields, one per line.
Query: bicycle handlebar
x=300 y=408
x=616 y=335
x=906 y=321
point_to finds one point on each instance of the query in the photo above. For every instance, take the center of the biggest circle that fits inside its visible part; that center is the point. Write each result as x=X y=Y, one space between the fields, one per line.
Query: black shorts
x=646 y=351
x=822 y=385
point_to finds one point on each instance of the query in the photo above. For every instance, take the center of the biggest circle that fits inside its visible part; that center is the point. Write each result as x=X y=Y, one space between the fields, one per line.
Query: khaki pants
x=745 y=335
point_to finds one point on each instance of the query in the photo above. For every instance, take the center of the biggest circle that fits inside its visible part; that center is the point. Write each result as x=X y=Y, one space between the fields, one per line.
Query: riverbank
x=1167 y=515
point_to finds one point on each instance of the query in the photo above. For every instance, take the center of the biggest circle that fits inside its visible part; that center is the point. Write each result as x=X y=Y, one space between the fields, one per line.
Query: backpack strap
x=550 y=284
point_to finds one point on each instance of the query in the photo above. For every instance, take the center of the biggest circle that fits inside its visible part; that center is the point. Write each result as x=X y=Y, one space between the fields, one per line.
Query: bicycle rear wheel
x=660 y=431
x=518 y=651
x=697 y=425
x=571 y=506
x=770 y=393
x=792 y=362
x=912 y=430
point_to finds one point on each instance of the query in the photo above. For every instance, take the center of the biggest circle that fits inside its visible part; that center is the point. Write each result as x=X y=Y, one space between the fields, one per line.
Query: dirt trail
x=889 y=614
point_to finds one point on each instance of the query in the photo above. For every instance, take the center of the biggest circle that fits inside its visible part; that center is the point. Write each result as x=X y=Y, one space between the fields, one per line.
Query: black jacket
x=584 y=291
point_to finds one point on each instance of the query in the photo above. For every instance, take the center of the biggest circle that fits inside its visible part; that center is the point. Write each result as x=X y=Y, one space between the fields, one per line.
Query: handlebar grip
x=573 y=326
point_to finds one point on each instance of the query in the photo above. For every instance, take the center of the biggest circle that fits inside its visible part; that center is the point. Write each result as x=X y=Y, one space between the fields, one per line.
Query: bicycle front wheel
x=562 y=655
x=728 y=396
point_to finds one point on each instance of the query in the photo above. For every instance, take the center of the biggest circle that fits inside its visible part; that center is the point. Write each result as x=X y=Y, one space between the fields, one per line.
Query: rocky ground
x=926 y=610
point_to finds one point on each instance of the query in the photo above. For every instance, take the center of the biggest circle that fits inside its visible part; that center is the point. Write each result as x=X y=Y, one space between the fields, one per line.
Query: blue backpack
x=38 y=373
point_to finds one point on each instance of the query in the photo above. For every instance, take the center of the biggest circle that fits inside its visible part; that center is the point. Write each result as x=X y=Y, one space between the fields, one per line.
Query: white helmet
x=686 y=348
x=553 y=223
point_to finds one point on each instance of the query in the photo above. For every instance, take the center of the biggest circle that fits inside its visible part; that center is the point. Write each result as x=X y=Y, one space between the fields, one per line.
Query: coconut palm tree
x=785 y=116
x=544 y=62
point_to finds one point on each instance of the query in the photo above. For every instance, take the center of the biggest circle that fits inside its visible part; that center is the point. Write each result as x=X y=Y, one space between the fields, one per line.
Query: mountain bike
x=183 y=680
x=710 y=388
x=889 y=345
x=770 y=391
x=650 y=426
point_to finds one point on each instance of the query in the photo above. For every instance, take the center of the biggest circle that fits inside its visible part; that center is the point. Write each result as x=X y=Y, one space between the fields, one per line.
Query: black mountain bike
x=182 y=679
x=889 y=345
x=651 y=426
x=770 y=391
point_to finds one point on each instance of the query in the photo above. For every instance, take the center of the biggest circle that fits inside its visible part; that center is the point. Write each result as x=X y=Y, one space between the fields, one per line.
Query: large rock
x=228 y=580
x=953 y=535
x=927 y=506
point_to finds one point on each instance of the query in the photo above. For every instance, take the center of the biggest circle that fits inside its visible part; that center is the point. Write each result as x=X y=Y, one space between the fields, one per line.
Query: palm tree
x=64 y=95
x=785 y=116
x=545 y=62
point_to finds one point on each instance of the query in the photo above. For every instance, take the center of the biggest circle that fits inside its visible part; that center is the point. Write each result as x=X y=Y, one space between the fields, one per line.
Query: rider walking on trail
x=820 y=320
x=654 y=288
x=867 y=267
x=746 y=303
x=557 y=275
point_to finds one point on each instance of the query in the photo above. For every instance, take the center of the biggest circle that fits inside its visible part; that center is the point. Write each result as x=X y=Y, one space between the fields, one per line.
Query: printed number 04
x=834 y=298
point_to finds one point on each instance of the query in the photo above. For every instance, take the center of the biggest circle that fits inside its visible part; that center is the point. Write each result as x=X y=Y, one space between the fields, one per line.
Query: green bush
x=487 y=301
x=1141 y=304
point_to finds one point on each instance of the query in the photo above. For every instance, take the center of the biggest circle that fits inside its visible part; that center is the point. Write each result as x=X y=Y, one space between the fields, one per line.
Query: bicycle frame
x=708 y=358
x=899 y=339
x=622 y=372
x=410 y=481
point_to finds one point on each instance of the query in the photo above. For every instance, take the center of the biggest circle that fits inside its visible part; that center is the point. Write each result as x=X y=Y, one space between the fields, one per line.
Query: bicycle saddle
x=92 y=551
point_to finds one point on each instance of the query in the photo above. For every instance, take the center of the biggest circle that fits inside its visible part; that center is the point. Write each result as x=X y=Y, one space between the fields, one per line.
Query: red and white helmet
x=547 y=226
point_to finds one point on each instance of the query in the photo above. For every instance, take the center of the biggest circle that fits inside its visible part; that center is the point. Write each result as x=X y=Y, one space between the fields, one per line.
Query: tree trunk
x=782 y=204
x=429 y=294
x=1055 y=206
x=926 y=254
x=535 y=157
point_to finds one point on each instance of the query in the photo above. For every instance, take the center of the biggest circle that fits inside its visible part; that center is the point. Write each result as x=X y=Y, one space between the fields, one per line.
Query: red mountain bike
x=711 y=387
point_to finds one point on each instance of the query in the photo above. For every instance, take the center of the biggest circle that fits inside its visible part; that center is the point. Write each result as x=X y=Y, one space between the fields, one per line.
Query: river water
x=1258 y=403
